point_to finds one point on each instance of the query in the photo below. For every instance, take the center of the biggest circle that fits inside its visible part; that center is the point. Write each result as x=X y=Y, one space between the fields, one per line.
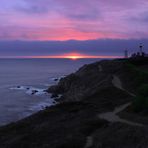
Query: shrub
x=143 y=90
x=138 y=76
x=139 y=80
x=141 y=100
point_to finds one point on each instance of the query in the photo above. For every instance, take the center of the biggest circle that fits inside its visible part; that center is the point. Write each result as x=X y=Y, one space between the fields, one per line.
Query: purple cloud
x=73 y=19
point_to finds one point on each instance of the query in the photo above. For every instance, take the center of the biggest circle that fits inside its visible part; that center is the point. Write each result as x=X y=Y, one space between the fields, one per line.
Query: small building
x=140 y=53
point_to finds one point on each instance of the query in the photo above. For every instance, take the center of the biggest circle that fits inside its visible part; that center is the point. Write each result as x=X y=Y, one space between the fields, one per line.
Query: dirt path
x=100 y=68
x=112 y=116
x=89 y=142
x=118 y=84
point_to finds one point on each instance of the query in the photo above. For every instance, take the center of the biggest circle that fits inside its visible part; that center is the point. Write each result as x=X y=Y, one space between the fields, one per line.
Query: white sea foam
x=30 y=90
x=56 y=79
x=18 y=88
x=59 y=96
x=41 y=106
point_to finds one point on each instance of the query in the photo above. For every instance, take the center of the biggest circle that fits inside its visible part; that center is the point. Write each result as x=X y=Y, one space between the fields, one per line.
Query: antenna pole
x=141 y=48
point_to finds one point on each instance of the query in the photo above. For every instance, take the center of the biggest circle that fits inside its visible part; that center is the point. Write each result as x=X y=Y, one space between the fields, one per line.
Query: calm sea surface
x=18 y=77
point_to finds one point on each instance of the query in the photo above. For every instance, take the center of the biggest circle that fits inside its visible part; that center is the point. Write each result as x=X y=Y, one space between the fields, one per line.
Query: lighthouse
x=141 y=49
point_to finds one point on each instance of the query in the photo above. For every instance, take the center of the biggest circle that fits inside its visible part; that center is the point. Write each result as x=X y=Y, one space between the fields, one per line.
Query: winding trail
x=112 y=116
x=100 y=68
x=118 y=84
x=89 y=142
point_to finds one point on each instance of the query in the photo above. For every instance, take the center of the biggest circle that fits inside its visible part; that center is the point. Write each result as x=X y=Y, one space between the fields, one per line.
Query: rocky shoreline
x=77 y=121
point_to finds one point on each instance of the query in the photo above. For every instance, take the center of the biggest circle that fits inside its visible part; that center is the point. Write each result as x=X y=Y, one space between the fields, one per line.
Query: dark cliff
x=86 y=81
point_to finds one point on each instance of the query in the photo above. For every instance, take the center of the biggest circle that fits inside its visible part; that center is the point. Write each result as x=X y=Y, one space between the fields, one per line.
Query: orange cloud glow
x=44 y=30
x=69 y=34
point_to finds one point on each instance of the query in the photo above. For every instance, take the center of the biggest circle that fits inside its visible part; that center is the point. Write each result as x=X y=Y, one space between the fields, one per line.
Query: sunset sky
x=96 y=27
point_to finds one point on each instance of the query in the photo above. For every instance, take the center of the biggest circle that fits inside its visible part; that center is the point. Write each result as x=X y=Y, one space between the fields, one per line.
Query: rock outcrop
x=87 y=80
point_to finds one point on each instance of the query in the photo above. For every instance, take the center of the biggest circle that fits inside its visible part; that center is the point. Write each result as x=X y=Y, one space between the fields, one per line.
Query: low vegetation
x=139 y=79
x=141 y=100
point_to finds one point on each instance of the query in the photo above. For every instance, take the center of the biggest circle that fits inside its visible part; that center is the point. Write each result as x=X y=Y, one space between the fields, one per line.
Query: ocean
x=23 y=81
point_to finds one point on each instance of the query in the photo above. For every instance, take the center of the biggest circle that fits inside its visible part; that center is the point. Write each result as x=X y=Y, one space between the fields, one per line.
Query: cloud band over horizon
x=91 y=48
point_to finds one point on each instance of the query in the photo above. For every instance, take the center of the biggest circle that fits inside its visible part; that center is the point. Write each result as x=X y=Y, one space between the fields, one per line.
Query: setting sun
x=73 y=57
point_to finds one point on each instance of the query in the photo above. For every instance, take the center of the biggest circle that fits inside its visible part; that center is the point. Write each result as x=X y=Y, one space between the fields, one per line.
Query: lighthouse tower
x=141 y=49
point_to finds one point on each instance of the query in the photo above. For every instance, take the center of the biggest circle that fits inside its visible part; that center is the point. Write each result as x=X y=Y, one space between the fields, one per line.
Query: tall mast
x=141 y=48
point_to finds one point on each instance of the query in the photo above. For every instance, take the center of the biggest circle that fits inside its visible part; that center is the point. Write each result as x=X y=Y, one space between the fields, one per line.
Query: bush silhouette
x=141 y=100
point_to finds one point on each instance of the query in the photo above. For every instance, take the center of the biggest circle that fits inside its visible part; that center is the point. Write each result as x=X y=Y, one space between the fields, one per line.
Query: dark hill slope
x=74 y=123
